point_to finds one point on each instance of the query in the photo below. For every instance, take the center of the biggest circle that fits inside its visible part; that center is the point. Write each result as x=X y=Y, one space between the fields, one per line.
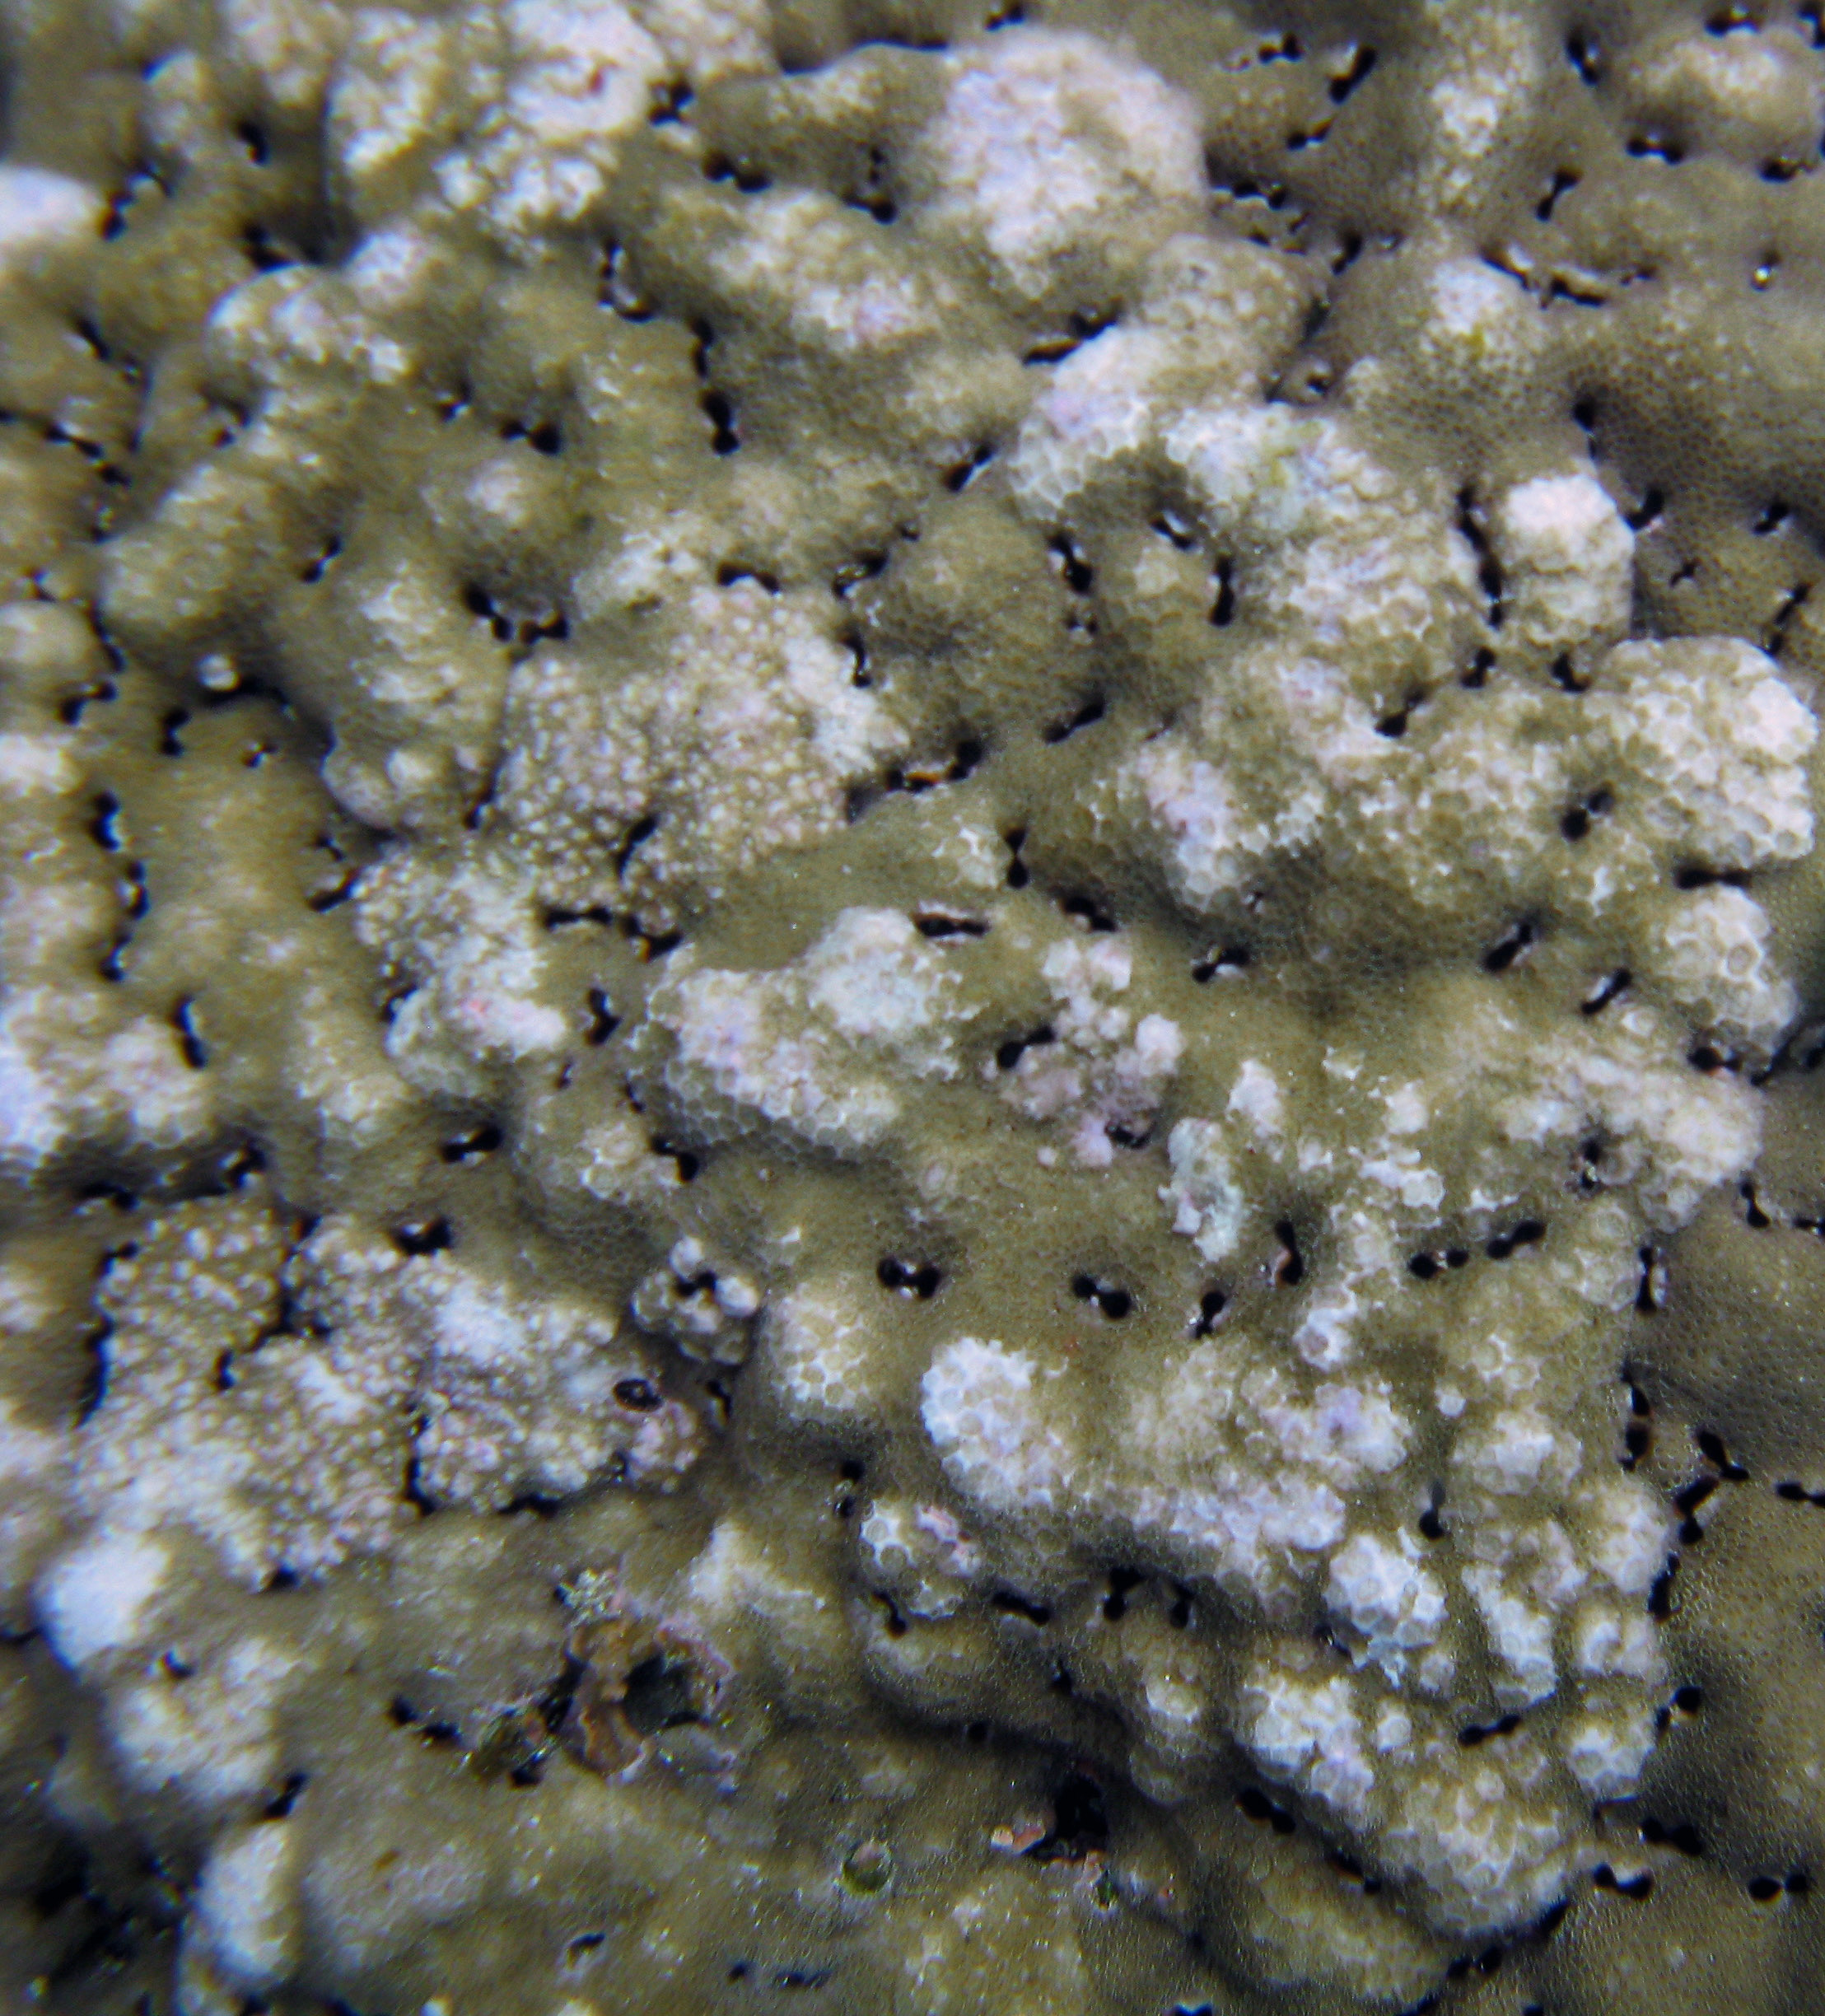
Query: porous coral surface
x=908 y=970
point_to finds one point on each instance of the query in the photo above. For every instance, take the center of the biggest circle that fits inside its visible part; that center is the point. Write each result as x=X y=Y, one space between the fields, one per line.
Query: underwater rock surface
x=911 y=969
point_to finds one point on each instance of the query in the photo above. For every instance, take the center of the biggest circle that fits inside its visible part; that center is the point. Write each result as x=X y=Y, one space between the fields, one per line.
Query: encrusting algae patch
x=910 y=979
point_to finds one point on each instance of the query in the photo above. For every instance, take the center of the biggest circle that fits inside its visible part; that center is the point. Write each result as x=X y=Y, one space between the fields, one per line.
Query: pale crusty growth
x=909 y=986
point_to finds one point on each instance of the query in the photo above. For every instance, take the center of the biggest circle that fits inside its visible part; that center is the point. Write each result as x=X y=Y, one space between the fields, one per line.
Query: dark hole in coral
x=1563 y=180
x=1086 y=717
x=1513 y=945
x=1565 y=676
x=1530 y=1232
x=1178 y=1612
x=1771 y=518
x=1348 y=252
x=1711 y=1447
x=1232 y=958
x=324 y=900
x=265 y=252
x=616 y=289
x=419 y=1237
x=315 y=570
x=1019 y=875
x=962 y=474
x=1080 y=325
x=94 y=1389
x=1431 y=1525
x=643 y=830
x=1692 y=877
x=1764 y=1889
x=1473 y=526
x=671 y=100
x=1482 y=1732
x=70 y=709
x=101 y=827
x=852 y=573
x=1222 y=608
x=1584 y=55
x=1089 y=913
x=1080 y=1822
x=1790 y=607
x=748 y=180
x=1653 y=503
x=1079 y=577
x=1689 y=1497
x=652 y=945
x=1255 y=1805
x=721 y=414
x=480 y=1140
x=604 y=1021
x=638 y=1394
x=1394 y=725
x=1010 y=1602
x=1681 y=1836
x=924 y=1280
x=1122 y=1582
x=1660 y=1596
x=1650 y=1284
x=279 y=1806
x=1651 y=146
x=964 y=759
x=1482 y=664
x=103 y=1192
x=168 y=742
x=659 y=1695
x=1289 y=1270
x=1354 y=74
x=184 y=1021
x=1210 y=1306
x=936 y=924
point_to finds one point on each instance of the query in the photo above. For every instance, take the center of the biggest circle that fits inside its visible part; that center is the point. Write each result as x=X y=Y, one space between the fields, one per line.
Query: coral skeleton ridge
x=909 y=970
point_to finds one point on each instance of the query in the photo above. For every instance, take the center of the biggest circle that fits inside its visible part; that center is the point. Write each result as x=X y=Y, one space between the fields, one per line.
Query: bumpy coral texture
x=908 y=963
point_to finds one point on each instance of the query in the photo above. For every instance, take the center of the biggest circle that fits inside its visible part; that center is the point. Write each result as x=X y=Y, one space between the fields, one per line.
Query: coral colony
x=905 y=1070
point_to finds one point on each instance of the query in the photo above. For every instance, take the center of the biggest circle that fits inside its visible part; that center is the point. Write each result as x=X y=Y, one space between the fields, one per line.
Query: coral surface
x=909 y=962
